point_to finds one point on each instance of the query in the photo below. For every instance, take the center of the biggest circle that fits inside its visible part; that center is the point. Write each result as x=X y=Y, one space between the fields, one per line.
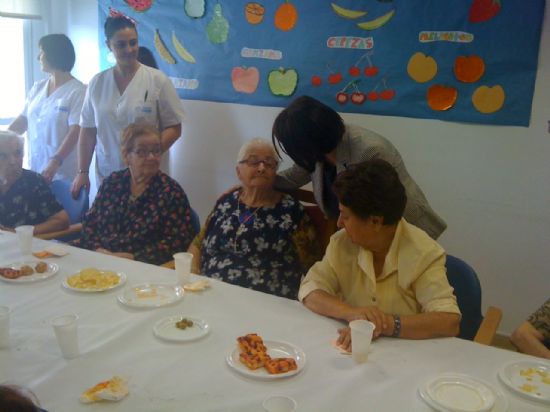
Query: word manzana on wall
x=468 y=60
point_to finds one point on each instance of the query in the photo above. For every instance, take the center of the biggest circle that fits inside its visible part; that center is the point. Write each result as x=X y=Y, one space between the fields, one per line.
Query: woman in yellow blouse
x=381 y=268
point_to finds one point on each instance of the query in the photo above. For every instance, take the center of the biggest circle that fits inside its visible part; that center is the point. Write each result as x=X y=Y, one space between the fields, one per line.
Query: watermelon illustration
x=140 y=5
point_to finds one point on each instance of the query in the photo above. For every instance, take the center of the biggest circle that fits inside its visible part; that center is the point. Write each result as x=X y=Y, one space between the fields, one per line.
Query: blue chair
x=76 y=208
x=473 y=325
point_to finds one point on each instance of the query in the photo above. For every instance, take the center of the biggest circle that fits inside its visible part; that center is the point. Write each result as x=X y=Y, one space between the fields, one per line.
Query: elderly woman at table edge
x=25 y=197
x=140 y=212
x=52 y=112
x=129 y=92
x=322 y=145
x=381 y=268
x=255 y=236
x=533 y=335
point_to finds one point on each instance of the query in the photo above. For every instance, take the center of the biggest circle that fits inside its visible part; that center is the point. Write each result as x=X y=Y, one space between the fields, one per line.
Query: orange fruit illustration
x=441 y=97
x=286 y=16
x=469 y=69
x=254 y=13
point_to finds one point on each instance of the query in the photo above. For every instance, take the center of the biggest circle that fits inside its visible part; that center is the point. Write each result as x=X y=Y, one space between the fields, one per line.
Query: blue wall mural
x=462 y=60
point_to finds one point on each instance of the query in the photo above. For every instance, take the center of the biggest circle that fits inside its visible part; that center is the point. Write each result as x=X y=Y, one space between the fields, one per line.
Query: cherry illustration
x=372 y=95
x=342 y=97
x=371 y=71
x=335 y=78
x=387 y=93
x=358 y=97
x=354 y=71
x=316 y=80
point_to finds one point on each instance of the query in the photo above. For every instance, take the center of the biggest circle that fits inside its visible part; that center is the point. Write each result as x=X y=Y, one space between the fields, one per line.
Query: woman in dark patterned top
x=533 y=335
x=257 y=237
x=25 y=197
x=139 y=213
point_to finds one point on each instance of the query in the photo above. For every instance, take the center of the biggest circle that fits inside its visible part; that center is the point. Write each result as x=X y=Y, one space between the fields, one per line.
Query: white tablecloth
x=193 y=376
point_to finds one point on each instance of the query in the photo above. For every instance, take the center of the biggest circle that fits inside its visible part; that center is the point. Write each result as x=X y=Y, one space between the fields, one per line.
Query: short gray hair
x=8 y=136
x=257 y=141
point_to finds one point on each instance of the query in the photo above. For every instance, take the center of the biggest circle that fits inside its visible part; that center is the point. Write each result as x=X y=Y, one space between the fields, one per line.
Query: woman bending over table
x=255 y=236
x=381 y=268
x=129 y=92
x=139 y=213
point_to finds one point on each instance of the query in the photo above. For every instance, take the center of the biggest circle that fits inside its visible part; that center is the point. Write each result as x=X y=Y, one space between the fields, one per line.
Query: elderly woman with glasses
x=255 y=236
x=25 y=197
x=139 y=213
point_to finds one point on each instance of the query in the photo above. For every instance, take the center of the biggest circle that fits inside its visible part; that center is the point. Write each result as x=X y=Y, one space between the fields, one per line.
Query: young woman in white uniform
x=129 y=92
x=52 y=112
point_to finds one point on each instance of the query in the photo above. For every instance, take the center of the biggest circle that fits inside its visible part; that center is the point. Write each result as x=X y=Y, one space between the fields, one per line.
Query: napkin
x=339 y=348
x=197 y=286
x=113 y=389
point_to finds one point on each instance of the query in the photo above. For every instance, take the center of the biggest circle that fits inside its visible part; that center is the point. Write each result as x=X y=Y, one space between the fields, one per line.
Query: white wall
x=491 y=184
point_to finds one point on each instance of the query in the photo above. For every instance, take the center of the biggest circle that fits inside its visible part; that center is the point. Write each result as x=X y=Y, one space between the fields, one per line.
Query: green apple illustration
x=282 y=82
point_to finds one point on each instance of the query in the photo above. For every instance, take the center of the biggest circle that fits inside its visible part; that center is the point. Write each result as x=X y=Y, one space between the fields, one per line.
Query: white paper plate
x=530 y=379
x=53 y=268
x=451 y=392
x=121 y=276
x=275 y=349
x=150 y=295
x=166 y=329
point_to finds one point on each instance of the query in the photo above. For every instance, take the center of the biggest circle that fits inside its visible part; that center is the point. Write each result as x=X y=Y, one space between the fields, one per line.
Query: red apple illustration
x=342 y=97
x=354 y=71
x=387 y=94
x=316 y=80
x=358 y=98
x=245 y=80
x=335 y=78
x=371 y=71
x=372 y=95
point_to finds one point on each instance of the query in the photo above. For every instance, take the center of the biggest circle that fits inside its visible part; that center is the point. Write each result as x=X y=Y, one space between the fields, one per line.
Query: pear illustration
x=218 y=28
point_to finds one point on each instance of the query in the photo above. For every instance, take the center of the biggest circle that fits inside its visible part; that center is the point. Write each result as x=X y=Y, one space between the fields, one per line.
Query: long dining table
x=194 y=375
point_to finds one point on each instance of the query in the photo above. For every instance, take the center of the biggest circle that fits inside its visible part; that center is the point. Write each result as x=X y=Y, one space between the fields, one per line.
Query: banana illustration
x=182 y=51
x=378 y=22
x=347 y=13
x=162 y=49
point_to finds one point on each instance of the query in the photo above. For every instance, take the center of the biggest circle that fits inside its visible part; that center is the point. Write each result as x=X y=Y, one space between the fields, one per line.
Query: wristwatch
x=396 y=326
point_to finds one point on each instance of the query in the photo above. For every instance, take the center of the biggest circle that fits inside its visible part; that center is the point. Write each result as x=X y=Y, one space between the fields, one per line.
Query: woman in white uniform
x=52 y=112
x=127 y=93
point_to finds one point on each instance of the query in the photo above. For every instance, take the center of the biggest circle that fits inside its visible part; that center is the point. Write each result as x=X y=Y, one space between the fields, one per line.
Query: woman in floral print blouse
x=257 y=237
x=139 y=213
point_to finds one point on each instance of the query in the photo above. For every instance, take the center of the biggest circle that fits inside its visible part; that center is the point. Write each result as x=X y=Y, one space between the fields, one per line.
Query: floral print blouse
x=268 y=249
x=541 y=321
x=152 y=227
x=29 y=201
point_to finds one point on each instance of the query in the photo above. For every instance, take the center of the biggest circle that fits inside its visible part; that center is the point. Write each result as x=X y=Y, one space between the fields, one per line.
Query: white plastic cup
x=24 y=233
x=66 y=332
x=361 y=337
x=4 y=327
x=183 y=267
x=279 y=403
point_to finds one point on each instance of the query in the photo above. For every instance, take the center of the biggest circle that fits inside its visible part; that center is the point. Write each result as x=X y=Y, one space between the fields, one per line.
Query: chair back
x=467 y=290
x=195 y=220
x=75 y=208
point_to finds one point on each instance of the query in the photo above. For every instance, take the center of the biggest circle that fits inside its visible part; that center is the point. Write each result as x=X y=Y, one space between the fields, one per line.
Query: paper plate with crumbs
x=181 y=328
x=28 y=271
x=92 y=280
x=530 y=379
x=151 y=295
x=456 y=392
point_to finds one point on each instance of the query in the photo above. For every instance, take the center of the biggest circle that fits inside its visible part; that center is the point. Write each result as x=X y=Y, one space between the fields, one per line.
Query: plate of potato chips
x=94 y=280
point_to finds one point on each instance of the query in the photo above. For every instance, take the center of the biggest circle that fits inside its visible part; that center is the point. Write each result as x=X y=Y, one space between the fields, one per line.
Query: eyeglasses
x=269 y=163
x=18 y=154
x=143 y=153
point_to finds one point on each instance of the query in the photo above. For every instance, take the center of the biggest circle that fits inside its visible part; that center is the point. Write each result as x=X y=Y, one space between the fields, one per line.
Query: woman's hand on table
x=124 y=255
x=7 y=229
x=344 y=338
x=382 y=321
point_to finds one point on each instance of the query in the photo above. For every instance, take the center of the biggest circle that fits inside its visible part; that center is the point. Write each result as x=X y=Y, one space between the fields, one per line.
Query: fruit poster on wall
x=464 y=60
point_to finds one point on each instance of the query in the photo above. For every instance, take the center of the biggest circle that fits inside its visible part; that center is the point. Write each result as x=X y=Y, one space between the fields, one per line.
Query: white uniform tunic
x=48 y=121
x=149 y=98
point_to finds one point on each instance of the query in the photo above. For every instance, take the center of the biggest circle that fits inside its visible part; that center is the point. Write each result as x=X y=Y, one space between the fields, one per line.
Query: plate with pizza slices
x=267 y=360
x=29 y=271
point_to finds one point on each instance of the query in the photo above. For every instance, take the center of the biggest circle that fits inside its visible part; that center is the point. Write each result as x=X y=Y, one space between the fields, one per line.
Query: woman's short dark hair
x=372 y=188
x=145 y=56
x=59 y=51
x=307 y=130
x=12 y=399
x=116 y=23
